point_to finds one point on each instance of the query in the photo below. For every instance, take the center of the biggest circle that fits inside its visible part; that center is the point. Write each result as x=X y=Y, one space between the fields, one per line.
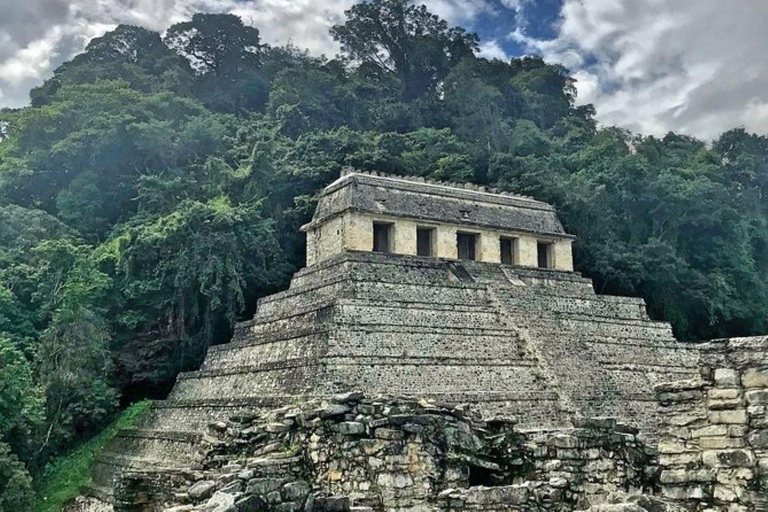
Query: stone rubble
x=356 y=453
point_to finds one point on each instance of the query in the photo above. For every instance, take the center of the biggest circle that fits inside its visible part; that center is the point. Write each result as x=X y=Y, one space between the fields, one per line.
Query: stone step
x=289 y=377
x=241 y=354
x=375 y=374
x=578 y=306
x=404 y=341
x=107 y=466
x=442 y=293
x=350 y=313
x=245 y=338
x=560 y=327
x=397 y=341
x=530 y=406
x=158 y=445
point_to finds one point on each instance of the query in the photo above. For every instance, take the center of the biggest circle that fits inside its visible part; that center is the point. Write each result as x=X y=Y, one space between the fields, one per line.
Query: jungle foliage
x=155 y=186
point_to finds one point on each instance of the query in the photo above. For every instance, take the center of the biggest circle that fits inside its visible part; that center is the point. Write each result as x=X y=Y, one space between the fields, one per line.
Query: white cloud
x=492 y=50
x=458 y=11
x=697 y=67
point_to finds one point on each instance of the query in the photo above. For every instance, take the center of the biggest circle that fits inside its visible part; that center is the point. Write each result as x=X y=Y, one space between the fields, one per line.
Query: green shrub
x=64 y=476
x=15 y=483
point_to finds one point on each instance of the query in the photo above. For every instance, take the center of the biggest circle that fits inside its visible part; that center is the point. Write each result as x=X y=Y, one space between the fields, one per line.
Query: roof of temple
x=424 y=200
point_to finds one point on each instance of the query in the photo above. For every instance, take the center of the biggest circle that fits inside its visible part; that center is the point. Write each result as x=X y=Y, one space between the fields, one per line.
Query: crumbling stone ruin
x=387 y=454
x=435 y=294
x=713 y=449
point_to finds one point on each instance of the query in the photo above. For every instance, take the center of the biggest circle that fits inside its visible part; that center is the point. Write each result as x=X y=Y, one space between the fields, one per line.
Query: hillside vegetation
x=155 y=186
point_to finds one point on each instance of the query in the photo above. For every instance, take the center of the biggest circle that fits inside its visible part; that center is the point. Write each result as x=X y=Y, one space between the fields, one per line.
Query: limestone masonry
x=442 y=295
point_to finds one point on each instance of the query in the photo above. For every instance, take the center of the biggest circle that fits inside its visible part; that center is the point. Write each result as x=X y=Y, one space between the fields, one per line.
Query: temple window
x=425 y=241
x=507 y=247
x=382 y=236
x=466 y=244
x=544 y=250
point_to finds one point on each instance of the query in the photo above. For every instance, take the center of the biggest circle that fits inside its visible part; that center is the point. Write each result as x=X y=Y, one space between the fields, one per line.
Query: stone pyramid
x=509 y=339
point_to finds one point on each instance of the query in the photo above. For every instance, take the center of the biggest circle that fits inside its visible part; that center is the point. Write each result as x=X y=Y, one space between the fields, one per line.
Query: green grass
x=63 y=477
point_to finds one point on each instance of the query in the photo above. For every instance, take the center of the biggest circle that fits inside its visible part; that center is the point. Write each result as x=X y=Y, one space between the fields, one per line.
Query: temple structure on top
x=368 y=212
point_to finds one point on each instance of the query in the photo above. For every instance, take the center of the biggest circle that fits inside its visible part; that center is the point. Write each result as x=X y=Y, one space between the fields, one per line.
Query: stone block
x=737 y=417
x=221 y=501
x=251 y=504
x=503 y=495
x=673 y=447
x=724 y=404
x=349 y=428
x=723 y=394
x=724 y=493
x=679 y=476
x=563 y=441
x=294 y=491
x=686 y=492
x=710 y=430
x=682 y=419
x=332 y=410
x=388 y=433
x=726 y=377
x=755 y=378
x=394 y=480
x=263 y=486
x=668 y=398
x=728 y=458
x=679 y=459
x=758 y=439
x=757 y=397
x=737 y=430
x=202 y=489
x=720 y=443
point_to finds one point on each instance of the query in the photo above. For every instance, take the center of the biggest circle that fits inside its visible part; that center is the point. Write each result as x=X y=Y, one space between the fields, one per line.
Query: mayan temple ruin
x=438 y=352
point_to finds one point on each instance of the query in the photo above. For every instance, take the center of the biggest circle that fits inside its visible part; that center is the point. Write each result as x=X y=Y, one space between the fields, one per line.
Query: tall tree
x=132 y=54
x=226 y=55
x=406 y=40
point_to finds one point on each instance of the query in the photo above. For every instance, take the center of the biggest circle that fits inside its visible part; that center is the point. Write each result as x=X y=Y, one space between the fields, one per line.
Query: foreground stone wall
x=394 y=454
x=714 y=437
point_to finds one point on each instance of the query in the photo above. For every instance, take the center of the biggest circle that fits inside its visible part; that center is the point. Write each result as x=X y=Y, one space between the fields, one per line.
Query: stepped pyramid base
x=539 y=345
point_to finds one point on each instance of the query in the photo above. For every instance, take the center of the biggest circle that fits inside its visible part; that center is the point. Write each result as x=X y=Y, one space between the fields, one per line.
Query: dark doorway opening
x=425 y=241
x=544 y=254
x=466 y=245
x=382 y=237
x=507 y=250
x=483 y=476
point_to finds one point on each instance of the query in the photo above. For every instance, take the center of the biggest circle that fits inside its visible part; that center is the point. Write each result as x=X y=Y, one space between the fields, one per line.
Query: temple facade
x=374 y=213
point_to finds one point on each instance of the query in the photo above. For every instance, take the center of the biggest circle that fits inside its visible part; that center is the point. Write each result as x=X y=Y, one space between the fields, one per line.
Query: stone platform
x=535 y=344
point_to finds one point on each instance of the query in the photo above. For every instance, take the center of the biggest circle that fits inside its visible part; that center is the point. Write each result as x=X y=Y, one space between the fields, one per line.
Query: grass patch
x=63 y=477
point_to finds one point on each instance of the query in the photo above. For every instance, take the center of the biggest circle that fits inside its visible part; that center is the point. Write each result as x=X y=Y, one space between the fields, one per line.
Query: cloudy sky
x=695 y=66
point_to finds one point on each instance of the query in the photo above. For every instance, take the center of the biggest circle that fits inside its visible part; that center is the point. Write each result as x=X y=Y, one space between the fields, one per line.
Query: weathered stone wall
x=714 y=436
x=393 y=454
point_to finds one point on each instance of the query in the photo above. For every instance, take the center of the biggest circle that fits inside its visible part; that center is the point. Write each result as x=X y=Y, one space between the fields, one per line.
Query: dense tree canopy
x=155 y=186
